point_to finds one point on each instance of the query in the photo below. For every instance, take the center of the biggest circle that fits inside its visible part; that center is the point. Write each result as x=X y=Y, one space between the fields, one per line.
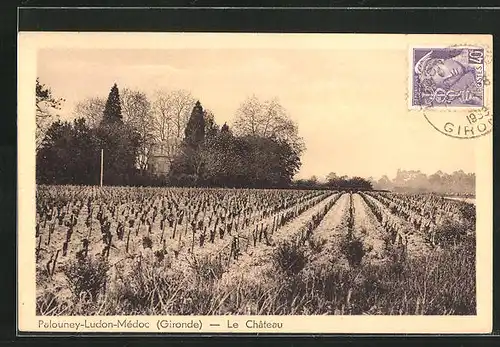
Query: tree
x=249 y=161
x=270 y=162
x=171 y=112
x=360 y=183
x=137 y=113
x=344 y=182
x=267 y=119
x=112 y=109
x=173 y=108
x=46 y=107
x=331 y=177
x=69 y=155
x=120 y=143
x=211 y=127
x=163 y=125
x=91 y=109
x=182 y=103
x=71 y=151
x=384 y=183
x=194 y=134
x=224 y=161
x=249 y=117
x=190 y=160
x=53 y=160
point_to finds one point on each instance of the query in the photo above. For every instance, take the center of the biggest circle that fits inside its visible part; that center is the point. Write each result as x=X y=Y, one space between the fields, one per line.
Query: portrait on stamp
x=448 y=77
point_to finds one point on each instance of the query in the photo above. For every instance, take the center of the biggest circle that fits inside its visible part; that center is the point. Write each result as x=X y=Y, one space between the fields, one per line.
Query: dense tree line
x=262 y=149
x=458 y=182
x=213 y=156
x=159 y=120
x=334 y=182
x=127 y=125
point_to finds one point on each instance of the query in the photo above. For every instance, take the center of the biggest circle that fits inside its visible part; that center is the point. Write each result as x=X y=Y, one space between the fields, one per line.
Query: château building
x=159 y=159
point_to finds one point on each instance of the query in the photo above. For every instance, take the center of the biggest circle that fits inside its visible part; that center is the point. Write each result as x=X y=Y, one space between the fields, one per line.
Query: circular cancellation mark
x=448 y=85
x=473 y=124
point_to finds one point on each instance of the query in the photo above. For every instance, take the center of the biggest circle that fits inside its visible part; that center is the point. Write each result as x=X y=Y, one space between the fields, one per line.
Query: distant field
x=152 y=251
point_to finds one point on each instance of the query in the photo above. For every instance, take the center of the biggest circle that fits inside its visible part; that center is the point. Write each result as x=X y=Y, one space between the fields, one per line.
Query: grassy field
x=158 y=251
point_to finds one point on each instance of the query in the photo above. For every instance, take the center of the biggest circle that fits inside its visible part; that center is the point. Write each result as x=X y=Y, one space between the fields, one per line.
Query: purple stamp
x=448 y=77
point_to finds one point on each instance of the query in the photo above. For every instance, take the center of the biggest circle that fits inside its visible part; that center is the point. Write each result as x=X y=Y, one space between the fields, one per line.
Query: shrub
x=450 y=233
x=49 y=304
x=208 y=268
x=146 y=289
x=147 y=242
x=353 y=249
x=317 y=245
x=86 y=276
x=289 y=257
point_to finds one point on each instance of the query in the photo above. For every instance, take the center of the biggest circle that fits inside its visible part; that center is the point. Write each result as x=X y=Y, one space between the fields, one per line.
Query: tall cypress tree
x=113 y=110
x=119 y=143
x=195 y=128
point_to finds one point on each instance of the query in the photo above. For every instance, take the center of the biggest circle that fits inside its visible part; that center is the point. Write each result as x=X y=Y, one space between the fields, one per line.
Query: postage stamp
x=444 y=77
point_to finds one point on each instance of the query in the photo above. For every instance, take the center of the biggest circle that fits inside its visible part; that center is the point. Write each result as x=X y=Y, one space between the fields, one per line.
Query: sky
x=350 y=105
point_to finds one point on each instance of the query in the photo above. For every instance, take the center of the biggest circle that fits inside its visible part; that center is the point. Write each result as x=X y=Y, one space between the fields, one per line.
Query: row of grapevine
x=122 y=221
x=426 y=210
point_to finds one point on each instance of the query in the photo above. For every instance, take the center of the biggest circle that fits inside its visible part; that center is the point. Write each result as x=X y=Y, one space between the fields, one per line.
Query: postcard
x=254 y=183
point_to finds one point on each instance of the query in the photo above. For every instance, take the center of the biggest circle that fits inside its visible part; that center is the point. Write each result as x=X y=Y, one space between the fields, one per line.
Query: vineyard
x=181 y=251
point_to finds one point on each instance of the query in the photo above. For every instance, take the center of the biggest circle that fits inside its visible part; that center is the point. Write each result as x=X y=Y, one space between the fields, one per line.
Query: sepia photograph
x=333 y=176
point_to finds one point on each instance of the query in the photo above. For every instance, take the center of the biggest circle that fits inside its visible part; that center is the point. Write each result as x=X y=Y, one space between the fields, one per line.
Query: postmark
x=472 y=124
x=452 y=89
